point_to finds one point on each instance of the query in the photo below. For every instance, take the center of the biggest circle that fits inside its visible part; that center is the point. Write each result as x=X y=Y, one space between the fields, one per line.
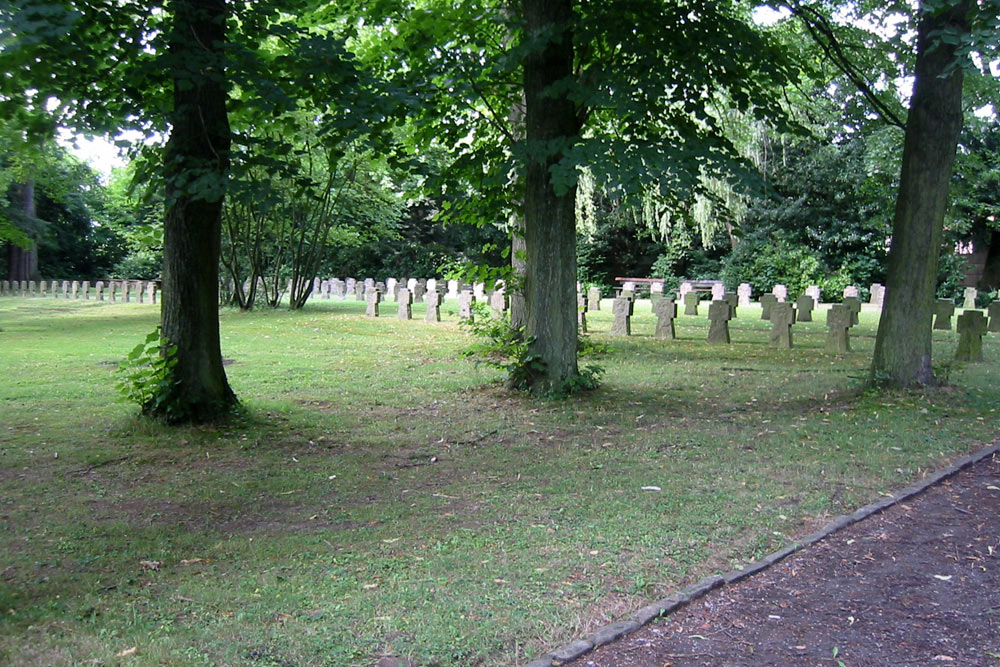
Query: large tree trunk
x=197 y=156
x=549 y=214
x=902 y=355
x=22 y=263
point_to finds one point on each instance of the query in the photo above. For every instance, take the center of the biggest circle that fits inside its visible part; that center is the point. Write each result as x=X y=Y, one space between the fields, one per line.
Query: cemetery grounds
x=382 y=495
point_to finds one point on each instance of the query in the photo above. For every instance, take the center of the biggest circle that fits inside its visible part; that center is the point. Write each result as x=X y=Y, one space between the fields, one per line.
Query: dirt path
x=917 y=584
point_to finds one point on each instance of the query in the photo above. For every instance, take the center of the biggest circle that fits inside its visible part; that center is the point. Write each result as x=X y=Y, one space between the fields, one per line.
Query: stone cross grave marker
x=782 y=319
x=359 y=291
x=744 y=292
x=804 y=305
x=433 y=299
x=419 y=291
x=581 y=312
x=453 y=288
x=943 y=310
x=684 y=288
x=75 y=289
x=405 y=301
x=498 y=303
x=324 y=290
x=594 y=298
x=665 y=310
x=851 y=291
x=65 y=289
x=151 y=291
x=655 y=290
x=994 y=313
x=99 y=288
x=465 y=300
x=621 y=309
x=767 y=302
x=410 y=284
x=839 y=320
x=718 y=292
x=780 y=291
x=733 y=300
x=5 y=290
x=719 y=314
x=877 y=295
x=691 y=300
x=971 y=327
x=854 y=303
x=479 y=290
x=970 y=295
x=113 y=290
x=85 y=289
x=372 y=299
x=815 y=292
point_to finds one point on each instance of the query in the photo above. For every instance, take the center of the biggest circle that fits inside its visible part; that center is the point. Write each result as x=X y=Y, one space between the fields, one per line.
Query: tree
x=902 y=356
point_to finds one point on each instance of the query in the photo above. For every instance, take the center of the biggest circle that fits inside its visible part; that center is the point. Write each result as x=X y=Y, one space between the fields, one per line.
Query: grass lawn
x=383 y=495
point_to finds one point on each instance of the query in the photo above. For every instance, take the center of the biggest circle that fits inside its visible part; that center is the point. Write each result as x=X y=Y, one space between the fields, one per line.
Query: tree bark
x=22 y=263
x=196 y=164
x=902 y=355
x=549 y=214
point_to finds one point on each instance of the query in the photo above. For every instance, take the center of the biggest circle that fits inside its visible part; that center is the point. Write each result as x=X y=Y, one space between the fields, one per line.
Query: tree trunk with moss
x=551 y=120
x=902 y=355
x=196 y=163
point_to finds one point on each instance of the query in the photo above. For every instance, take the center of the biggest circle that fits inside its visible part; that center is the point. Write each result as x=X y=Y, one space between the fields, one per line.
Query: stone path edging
x=672 y=603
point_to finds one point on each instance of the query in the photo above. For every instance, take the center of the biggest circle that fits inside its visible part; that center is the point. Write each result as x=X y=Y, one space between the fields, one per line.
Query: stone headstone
x=581 y=312
x=627 y=293
x=74 y=289
x=151 y=291
x=337 y=288
x=349 y=286
x=369 y=284
x=594 y=298
x=854 y=303
x=994 y=313
x=113 y=291
x=744 y=292
x=971 y=327
x=405 y=302
x=815 y=292
x=621 y=309
x=359 y=291
x=655 y=289
x=32 y=288
x=433 y=299
x=839 y=320
x=734 y=301
x=85 y=289
x=876 y=295
x=804 y=306
x=380 y=286
x=629 y=286
x=465 y=300
x=767 y=302
x=782 y=319
x=390 y=288
x=5 y=289
x=64 y=287
x=718 y=292
x=99 y=288
x=324 y=290
x=419 y=290
x=851 y=291
x=410 y=284
x=665 y=310
x=479 y=290
x=970 y=295
x=431 y=285
x=372 y=299
x=453 y=289
x=943 y=310
x=780 y=291
x=691 y=300
x=719 y=314
x=498 y=303
x=53 y=290
x=126 y=291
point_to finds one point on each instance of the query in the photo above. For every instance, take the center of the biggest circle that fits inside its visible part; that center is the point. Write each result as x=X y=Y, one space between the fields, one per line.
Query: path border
x=676 y=601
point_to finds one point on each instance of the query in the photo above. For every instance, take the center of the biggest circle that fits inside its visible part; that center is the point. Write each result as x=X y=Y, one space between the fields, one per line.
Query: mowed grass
x=383 y=495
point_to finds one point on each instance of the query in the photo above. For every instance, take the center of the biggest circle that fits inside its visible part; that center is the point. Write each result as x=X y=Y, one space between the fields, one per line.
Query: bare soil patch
x=918 y=584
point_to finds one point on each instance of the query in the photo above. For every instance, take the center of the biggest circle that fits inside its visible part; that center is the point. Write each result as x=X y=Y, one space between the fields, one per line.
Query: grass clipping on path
x=386 y=497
